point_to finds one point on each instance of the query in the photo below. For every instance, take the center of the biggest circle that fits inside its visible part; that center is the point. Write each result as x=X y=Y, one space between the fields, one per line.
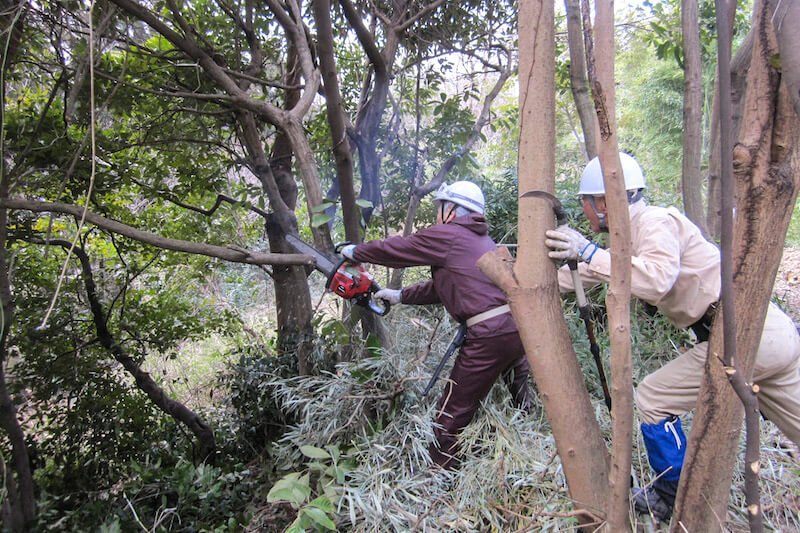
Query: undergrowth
x=371 y=416
x=347 y=449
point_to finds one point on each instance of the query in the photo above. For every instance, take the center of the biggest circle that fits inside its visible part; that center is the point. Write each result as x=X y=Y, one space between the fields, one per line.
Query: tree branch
x=177 y=410
x=228 y=253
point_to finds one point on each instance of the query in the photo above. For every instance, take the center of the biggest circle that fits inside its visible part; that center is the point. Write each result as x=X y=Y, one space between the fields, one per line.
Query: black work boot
x=656 y=500
x=648 y=501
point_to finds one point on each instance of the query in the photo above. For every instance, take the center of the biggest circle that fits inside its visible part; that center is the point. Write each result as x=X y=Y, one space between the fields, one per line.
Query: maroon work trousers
x=478 y=365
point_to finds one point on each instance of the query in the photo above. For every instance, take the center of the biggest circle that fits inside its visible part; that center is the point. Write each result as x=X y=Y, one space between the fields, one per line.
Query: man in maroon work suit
x=492 y=347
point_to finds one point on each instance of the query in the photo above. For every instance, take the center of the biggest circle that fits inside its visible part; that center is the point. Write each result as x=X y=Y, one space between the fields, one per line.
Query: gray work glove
x=567 y=244
x=390 y=295
x=347 y=251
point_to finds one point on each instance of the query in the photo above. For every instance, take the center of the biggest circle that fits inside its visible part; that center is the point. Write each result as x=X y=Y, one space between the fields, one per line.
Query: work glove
x=390 y=295
x=347 y=251
x=568 y=244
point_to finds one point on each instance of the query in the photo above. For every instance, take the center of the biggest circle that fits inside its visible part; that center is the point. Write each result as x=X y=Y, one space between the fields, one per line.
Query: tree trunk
x=531 y=285
x=205 y=436
x=18 y=509
x=766 y=163
x=619 y=289
x=577 y=78
x=292 y=294
x=787 y=20
x=337 y=120
x=368 y=121
x=739 y=65
x=343 y=155
x=691 y=179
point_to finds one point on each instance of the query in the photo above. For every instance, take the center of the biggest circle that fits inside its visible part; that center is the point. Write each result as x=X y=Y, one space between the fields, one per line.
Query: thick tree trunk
x=578 y=81
x=619 y=289
x=292 y=294
x=691 y=179
x=766 y=162
x=531 y=285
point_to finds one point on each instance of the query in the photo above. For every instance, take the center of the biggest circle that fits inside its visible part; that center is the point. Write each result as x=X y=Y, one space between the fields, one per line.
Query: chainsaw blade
x=323 y=262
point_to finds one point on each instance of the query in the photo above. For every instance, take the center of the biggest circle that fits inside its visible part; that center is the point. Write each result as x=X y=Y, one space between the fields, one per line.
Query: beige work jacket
x=673 y=266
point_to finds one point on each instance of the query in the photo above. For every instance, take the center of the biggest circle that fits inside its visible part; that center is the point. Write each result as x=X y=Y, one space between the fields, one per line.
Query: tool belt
x=486 y=315
x=702 y=328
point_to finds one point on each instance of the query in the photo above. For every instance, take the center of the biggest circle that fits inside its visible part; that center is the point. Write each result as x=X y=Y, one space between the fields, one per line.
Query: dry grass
x=511 y=479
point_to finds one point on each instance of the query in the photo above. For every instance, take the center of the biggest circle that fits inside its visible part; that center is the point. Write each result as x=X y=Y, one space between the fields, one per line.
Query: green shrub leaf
x=320 y=517
x=313 y=452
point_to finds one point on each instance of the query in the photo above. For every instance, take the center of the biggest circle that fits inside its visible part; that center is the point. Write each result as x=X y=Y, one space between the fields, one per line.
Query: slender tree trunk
x=691 y=179
x=205 y=436
x=577 y=77
x=531 y=285
x=787 y=20
x=342 y=152
x=739 y=65
x=619 y=289
x=292 y=296
x=766 y=161
x=336 y=120
x=18 y=510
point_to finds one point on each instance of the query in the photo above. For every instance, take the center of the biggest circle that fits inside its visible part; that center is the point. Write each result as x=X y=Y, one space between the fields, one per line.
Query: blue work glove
x=390 y=295
x=347 y=251
x=569 y=244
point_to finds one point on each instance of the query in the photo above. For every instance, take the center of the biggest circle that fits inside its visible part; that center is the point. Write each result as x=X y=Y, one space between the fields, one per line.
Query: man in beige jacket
x=675 y=269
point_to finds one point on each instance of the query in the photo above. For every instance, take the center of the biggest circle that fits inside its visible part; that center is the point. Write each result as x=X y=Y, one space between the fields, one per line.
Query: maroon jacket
x=451 y=250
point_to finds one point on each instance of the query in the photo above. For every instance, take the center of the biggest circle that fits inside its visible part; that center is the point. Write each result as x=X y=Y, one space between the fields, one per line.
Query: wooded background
x=170 y=363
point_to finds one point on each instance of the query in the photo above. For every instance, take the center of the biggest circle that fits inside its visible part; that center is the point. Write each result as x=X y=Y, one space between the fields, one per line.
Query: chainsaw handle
x=381 y=309
x=366 y=300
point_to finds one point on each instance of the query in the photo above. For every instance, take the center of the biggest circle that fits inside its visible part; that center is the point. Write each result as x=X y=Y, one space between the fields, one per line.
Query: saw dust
x=787 y=283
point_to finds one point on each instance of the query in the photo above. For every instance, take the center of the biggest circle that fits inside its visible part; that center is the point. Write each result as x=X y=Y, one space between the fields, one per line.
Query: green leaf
x=374 y=347
x=364 y=204
x=295 y=528
x=314 y=453
x=323 y=206
x=324 y=503
x=319 y=220
x=320 y=517
x=291 y=490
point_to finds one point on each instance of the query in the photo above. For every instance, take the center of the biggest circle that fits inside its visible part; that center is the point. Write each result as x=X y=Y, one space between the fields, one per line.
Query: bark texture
x=691 y=179
x=577 y=77
x=739 y=65
x=766 y=163
x=619 y=289
x=531 y=285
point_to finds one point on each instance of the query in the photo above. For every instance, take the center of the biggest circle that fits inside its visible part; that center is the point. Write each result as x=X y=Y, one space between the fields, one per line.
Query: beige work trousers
x=673 y=389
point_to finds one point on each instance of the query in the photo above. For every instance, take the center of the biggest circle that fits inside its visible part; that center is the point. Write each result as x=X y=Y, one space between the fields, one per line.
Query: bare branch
x=228 y=253
x=424 y=12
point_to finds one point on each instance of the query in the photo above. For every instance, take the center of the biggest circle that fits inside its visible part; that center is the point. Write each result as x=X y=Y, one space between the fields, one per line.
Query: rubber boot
x=666 y=448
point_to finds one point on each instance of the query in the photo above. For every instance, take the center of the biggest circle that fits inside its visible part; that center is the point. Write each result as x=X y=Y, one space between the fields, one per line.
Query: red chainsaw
x=347 y=279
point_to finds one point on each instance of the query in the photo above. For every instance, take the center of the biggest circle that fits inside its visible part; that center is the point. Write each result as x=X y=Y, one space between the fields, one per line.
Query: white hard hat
x=463 y=193
x=592 y=178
